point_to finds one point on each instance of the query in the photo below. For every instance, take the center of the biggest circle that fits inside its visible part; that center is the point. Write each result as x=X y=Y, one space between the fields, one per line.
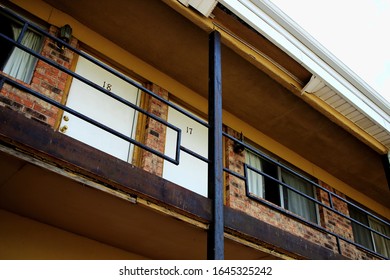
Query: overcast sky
x=355 y=31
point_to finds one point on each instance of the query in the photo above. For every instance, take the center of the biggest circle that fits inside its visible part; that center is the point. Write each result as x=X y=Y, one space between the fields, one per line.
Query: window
x=367 y=238
x=14 y=61
x=269 y=188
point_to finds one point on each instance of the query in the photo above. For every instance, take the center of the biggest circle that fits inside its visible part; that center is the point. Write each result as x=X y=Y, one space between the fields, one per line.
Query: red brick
x=155 y=132
x=47 y=80
x=236 y=198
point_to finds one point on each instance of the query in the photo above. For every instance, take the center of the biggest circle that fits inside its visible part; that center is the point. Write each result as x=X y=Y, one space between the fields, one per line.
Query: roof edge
x=274 y=24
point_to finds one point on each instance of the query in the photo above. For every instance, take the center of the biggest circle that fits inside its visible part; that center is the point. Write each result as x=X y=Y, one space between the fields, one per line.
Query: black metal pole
x=215 y=237
x=386 y=168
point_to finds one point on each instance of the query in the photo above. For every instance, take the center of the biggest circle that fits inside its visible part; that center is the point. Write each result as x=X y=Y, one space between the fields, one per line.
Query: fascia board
x=205 y=7
x=295 y=42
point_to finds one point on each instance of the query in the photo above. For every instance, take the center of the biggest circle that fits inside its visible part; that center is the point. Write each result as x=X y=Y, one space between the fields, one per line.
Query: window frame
x=282 y=190
x=387 y=232
x=27 y=78
x=368 y=221
x=87 y=51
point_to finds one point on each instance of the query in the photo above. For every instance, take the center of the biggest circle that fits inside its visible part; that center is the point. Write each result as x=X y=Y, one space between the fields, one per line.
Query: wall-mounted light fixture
x=65 y=34
x=238 y=148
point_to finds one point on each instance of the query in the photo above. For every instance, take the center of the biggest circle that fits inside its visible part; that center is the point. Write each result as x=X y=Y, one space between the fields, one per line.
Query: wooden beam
x=215 y=237
x=45 y=145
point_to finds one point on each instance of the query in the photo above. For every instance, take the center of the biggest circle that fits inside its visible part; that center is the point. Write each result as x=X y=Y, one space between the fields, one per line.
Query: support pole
x=386 y=167
x=215 y=237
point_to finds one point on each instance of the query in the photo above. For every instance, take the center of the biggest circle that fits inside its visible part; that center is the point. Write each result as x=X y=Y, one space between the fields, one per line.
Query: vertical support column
x=386 y=167
x=215 y=237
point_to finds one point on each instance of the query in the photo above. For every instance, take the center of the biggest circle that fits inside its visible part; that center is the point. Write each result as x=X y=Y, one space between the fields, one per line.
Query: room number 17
x=189 y=130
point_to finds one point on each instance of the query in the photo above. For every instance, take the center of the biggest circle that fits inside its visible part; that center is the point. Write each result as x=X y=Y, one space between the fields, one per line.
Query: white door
x=103 y=109
x=191 y=173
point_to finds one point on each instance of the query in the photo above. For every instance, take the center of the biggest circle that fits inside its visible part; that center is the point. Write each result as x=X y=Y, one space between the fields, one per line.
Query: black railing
x=331 y=196
x=17 y=43
x=4 y=79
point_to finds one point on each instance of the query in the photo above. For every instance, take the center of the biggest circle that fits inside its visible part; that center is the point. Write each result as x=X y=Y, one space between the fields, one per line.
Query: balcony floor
x=42 y=195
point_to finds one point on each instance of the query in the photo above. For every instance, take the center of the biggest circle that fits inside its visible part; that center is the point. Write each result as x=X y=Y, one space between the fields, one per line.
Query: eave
x=366 y=113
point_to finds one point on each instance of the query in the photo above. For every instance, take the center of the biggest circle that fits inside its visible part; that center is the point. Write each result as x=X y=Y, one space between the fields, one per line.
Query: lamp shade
x=65 y=33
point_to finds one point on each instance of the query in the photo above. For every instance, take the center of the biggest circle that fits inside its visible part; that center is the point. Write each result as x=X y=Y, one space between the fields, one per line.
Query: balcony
x=114 y=200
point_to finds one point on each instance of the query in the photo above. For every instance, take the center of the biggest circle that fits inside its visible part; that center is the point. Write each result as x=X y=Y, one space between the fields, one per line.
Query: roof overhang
x=332 y=81
x=203 y=6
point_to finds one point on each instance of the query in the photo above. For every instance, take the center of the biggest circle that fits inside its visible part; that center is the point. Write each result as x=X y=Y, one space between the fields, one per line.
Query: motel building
x=184 y=129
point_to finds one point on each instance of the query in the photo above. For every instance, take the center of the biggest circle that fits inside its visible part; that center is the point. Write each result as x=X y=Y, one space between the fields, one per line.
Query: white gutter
x=205 y=7
x=272 y=23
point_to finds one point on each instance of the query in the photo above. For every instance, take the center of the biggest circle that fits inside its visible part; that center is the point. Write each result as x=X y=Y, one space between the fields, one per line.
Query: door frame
x=140 y=118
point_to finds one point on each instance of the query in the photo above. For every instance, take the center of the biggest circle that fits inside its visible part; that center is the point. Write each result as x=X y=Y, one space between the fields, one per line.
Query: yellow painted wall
x=23 y=238
x=122 y=57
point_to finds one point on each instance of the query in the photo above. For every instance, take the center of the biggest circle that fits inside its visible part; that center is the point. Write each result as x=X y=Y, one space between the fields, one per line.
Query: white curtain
x=21 y=64
x=361 y=235
x=297 y=203
x=255 y=180
x=382 y=245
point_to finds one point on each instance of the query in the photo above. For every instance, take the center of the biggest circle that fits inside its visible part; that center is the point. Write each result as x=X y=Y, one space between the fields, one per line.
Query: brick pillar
x=155 y=132
x=46 y=80
x=235 y=187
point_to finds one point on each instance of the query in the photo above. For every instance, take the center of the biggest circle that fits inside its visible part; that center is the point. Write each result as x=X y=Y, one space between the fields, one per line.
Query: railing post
x=215 y=237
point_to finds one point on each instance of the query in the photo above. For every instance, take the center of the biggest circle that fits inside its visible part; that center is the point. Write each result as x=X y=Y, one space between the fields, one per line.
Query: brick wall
x=339 y=224
x=47 y=80
x=154 y=131
x=235 y=197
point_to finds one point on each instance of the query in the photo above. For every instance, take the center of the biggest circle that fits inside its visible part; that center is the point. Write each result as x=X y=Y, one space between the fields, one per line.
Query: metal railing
x=331 y=195
x=4 y=79
x=31 y=26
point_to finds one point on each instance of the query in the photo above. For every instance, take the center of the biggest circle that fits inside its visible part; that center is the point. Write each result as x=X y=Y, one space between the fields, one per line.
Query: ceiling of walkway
x=163 y=38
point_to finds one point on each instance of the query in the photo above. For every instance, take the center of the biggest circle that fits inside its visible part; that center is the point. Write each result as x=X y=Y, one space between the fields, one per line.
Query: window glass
x=268 y=188
x=367 y=238
x=255 y=180
x=6 y=47
x=361 y=234
x=296 y=202
x=14 y=61
x=382 y=245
